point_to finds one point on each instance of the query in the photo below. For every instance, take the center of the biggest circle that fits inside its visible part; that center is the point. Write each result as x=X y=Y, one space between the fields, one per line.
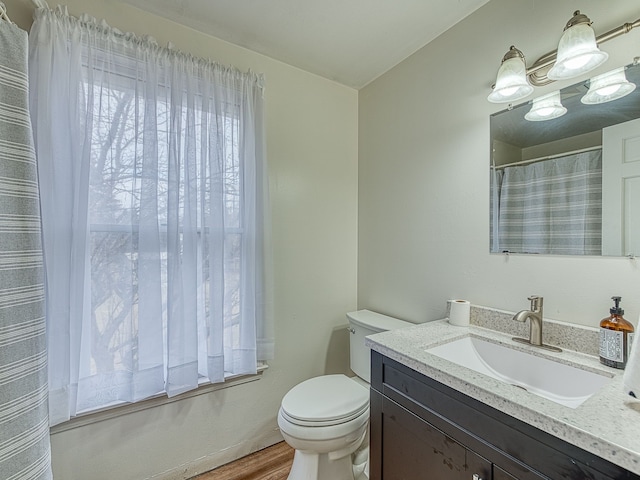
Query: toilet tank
x=361 y=324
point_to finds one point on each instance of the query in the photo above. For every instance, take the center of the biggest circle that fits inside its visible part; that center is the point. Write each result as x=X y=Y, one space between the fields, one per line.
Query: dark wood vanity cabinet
x=424 y=430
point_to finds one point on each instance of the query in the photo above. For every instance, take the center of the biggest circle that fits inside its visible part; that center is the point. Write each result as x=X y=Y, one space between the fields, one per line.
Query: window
x=153 y=199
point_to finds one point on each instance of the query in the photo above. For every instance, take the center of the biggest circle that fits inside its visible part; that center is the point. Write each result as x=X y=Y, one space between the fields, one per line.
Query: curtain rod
x=550 y=157
x=3 y=13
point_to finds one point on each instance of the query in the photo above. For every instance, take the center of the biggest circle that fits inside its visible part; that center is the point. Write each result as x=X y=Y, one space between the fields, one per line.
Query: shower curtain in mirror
x=24 y=424
x=549 y=207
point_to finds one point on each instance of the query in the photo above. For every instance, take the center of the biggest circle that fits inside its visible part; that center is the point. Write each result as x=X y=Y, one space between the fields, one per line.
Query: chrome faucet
x=535 y=324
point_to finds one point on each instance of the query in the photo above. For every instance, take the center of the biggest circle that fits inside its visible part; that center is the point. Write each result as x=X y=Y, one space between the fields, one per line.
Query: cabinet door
x=413 y=449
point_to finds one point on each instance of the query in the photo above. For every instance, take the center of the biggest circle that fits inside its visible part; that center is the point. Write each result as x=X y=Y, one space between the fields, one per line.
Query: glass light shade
x=511 y=83
x=607 y=87
x=578 y=53
x=546 y=107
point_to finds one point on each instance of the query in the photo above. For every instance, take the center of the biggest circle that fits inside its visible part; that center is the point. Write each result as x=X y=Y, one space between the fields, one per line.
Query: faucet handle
x=536 y=302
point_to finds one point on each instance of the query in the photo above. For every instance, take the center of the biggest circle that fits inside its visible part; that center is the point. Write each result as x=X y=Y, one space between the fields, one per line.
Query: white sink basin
x=563 y=384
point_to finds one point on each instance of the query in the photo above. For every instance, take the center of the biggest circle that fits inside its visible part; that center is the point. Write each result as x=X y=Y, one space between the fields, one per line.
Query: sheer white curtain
x=153 y=187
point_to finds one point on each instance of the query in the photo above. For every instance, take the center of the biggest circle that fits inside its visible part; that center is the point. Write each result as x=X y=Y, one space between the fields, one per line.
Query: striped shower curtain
x=24 y=424
x=549 y=207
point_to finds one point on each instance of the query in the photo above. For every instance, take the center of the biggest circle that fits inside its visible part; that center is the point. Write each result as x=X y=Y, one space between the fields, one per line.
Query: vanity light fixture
x=577 y=54
x=608 y=87
x=546 y=107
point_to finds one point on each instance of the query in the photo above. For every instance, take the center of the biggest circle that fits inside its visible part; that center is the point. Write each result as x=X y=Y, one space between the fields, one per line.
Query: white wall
x=312 y=151
x=424 y=175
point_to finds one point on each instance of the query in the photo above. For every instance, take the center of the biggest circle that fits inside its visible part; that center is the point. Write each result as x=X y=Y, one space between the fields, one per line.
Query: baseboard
x=217 y=459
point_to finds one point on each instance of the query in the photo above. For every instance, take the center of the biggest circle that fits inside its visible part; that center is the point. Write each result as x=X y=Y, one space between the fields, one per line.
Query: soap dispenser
x=616 y=336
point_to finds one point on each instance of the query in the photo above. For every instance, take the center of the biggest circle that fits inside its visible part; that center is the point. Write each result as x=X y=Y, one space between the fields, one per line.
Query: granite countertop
x=607 y=424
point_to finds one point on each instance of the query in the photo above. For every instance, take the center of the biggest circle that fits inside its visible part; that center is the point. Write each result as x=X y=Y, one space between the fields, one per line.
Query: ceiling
x=349 y=41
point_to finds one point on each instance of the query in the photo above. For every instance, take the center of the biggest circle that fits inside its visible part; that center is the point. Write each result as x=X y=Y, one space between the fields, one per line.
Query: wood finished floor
x=272 y=463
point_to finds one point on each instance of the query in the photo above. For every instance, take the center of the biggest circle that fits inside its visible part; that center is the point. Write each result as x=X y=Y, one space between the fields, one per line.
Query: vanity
x=434 y=418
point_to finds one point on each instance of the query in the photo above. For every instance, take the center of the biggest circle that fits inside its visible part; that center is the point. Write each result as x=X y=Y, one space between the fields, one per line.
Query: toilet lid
x=326 y=399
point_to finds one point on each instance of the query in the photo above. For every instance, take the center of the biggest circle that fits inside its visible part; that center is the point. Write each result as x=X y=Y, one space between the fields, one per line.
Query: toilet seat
x=325 y=401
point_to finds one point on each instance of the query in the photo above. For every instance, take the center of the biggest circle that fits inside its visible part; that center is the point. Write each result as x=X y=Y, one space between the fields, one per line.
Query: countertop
x=607 y=424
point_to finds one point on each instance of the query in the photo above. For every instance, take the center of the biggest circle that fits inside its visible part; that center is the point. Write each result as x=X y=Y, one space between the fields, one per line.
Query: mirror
x=569 y=185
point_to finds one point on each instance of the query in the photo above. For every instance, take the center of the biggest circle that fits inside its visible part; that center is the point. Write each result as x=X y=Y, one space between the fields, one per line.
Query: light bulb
x=578 y=62
x=608 y=90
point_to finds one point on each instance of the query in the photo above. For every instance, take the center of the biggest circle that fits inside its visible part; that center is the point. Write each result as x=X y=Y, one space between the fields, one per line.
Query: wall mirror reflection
x=569 y=184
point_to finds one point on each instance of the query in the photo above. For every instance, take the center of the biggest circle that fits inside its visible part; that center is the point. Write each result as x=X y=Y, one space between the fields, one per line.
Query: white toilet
x=326 y=419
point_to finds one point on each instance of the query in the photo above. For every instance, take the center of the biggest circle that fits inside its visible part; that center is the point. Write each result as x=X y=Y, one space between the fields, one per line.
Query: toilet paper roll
x=459 y=312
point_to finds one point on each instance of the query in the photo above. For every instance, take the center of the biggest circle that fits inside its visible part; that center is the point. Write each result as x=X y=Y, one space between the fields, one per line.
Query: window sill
x=119 y=410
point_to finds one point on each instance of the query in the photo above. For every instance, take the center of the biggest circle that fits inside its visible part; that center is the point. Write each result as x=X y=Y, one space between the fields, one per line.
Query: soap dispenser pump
x=616 y=336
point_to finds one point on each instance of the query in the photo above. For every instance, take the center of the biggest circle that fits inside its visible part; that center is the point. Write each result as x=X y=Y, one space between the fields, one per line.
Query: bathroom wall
x=424 y=175
x=312 y=151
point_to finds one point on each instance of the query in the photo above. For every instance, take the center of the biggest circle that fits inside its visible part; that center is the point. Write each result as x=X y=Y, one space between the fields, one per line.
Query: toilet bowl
x=326 y=419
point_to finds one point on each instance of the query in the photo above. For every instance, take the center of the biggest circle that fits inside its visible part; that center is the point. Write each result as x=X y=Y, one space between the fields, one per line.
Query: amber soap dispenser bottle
x=616 y=336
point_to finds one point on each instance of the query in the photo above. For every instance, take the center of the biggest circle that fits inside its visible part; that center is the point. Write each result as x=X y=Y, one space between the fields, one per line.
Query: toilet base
x=325 y=466
x=314 y=466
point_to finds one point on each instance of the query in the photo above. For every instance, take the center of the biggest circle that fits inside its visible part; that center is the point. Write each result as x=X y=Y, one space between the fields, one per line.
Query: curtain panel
x=154 y=200
x=24 y=427
x=549 y=207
